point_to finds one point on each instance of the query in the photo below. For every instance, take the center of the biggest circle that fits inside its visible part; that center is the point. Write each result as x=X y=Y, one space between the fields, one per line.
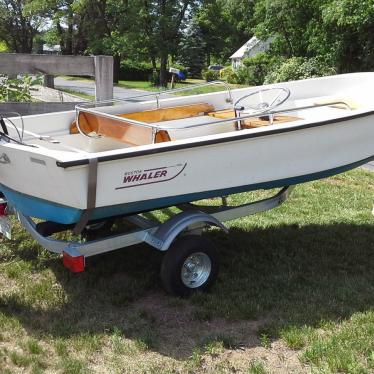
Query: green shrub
x=228 y=75
x=17 y=89
x=256 y=68
x=135 y=71
x=296 y=68
x=143 y=71
x=210 y=75
x=154 y=78
x=3 y=47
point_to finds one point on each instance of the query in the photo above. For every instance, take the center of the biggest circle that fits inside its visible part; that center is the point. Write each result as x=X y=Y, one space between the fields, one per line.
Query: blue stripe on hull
x=46 y=210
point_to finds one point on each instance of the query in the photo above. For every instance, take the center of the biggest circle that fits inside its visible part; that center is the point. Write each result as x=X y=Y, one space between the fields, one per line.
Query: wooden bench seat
x=136 y=134
x=251 y=123
x=169 y=114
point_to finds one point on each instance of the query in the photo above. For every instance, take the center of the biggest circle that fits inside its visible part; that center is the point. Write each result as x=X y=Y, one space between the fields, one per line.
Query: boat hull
x=51 y=211
x=53 y=185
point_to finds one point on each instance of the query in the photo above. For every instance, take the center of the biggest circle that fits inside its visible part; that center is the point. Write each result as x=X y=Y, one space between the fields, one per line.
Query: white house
x=51 y=49
x=250 y=49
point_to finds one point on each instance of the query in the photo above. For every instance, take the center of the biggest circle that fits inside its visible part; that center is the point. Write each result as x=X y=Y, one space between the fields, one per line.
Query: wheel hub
x=196 y=270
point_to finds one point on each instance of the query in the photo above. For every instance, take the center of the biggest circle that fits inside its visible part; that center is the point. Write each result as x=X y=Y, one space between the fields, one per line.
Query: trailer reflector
x=3 y=207
x=74 y=263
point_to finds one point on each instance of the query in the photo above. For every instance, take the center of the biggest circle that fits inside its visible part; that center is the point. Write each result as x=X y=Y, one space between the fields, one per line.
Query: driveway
x=89 y=88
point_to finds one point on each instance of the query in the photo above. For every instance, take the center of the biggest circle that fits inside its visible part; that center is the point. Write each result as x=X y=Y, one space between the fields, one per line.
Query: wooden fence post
x=103 y=77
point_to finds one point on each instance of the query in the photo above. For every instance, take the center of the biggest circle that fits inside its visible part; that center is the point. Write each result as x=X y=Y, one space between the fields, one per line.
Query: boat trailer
x=190 y=262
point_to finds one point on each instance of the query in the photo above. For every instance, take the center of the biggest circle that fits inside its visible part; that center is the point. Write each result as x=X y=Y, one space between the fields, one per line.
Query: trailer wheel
x=190 y=265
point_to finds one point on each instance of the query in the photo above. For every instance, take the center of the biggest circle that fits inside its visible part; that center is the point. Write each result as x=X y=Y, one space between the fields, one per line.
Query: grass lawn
x=78 y=93
x=141 y=85
x=295 y=294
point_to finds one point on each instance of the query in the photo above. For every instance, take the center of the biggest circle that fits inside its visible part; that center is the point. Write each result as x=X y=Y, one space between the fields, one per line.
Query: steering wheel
x=261 y=101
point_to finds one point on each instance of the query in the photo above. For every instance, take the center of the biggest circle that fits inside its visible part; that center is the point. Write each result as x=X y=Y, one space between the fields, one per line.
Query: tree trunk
x=153 y=61
x=116 y=68
x=163 y=69
x=69 y=36
x=60 y=34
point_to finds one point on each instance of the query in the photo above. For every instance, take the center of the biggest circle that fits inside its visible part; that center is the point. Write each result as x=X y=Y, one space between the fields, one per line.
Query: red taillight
x=3 y=210
x=74 y=264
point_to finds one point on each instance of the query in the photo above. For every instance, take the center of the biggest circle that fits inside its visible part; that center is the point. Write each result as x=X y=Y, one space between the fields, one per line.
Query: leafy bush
x=154 y=78
x=135 y=71
x=228 y=75
x=210 y=75
x=256 y=68
x=17 y=89
x=143 y=71
x=296 y=68
x=3 y=47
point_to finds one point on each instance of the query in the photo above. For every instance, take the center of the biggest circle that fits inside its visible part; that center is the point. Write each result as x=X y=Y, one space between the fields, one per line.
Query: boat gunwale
x=201 y=143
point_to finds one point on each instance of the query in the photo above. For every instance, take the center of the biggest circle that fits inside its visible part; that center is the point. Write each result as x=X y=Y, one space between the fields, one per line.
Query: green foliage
x=143 y=71
x=17 y=89
x=339 y=30
x=3 y=47
x=296 y=68
x=348 y=30
x=228 y=75
x=257 y=367
x=296 y=24
x=210 y=75
x=192 y=50
x=135 y=71
x=257 y=68
x=154 y=78
x=18 y=26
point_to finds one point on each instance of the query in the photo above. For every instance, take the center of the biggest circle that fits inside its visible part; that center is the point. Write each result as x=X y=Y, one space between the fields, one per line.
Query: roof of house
x=246 y=47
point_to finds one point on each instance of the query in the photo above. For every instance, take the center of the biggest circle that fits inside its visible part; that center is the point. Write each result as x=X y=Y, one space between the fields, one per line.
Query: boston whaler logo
x=141 y=177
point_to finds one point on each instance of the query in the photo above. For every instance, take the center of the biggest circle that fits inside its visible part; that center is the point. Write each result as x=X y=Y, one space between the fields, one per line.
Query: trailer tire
x=190 y=265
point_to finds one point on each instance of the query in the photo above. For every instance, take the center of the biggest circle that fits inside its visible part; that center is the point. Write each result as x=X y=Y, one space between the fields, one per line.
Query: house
x=250 y=49
x=51 y=49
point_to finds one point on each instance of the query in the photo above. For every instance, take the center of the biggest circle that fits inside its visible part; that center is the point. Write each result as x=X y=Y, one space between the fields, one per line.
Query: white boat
x=122 y=157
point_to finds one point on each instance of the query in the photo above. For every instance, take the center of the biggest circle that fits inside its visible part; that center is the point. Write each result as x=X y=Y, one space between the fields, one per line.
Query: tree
x=104 y=26
x=213 y=22
x=65 y=21
x=225 y=25
x=192 y=49
x=338 y=30
x=294 y=23
x=17 y=26
x=170 y=17
x=348 y=27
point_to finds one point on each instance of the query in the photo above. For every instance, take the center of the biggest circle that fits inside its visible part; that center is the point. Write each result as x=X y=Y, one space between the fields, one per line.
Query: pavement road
x=89 y=88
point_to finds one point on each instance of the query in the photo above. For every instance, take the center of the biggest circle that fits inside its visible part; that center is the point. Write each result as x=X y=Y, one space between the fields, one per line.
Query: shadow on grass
x=270 y=279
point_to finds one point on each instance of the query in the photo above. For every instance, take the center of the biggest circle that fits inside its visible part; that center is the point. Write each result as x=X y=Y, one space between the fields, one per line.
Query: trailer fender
x=168 y=231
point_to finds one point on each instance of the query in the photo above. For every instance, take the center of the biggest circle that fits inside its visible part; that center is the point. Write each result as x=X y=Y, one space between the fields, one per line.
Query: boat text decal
x=141 y=177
